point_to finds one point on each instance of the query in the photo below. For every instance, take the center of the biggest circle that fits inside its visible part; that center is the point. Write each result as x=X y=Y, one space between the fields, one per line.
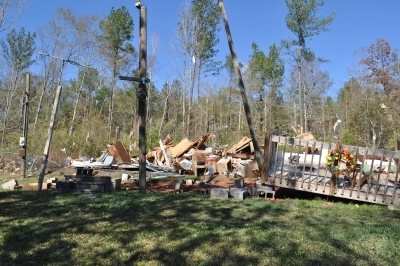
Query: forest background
x=286 y=83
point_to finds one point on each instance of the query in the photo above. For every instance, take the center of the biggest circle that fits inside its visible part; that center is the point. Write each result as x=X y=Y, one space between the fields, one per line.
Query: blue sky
x=358 y=23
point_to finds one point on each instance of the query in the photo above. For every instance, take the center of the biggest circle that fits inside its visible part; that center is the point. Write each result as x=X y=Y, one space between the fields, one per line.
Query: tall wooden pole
x=257 y=152
x=49 y=136
x=142 y=96
x=25 y=130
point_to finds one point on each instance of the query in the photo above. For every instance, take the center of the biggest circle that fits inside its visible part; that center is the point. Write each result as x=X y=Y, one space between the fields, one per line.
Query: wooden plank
x=265 y=164
x=241 y=155
x=243 y=143
x=292 y=184
x=200 y=141
x=181 y=148
x=166 y=157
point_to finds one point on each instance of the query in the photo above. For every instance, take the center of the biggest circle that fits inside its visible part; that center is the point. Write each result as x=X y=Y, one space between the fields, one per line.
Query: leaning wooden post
x=49 y=136
x=397 y=149
x=246 y=106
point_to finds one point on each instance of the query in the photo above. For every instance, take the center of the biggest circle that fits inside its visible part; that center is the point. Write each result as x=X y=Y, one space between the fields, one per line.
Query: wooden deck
x=287 y=164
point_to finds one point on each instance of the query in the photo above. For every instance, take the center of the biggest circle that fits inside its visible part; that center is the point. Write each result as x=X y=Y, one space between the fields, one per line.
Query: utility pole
x=142 y=100
x=25 y=126
x=142 y=95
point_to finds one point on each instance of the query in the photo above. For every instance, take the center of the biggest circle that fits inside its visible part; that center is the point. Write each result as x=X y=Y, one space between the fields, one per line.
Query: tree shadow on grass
x=126 y=228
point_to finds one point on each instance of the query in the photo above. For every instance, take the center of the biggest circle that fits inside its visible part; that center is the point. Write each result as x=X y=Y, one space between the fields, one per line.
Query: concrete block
x=240 y=194
x=264 y=190
x=90 y=179
x=232 y=191
x=239 y=183
x=189 y=182
x=245 y=168
x=10 y=183
x=177 y=186
x=252 y=191
x=219 y=193
x=90 y=186
x=65 y=185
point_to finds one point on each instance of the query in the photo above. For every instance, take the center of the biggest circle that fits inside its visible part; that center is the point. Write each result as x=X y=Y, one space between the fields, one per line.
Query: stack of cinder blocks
x=239 y=192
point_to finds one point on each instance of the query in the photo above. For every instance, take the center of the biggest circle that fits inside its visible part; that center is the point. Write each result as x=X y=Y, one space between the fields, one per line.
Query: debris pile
x=185 y=157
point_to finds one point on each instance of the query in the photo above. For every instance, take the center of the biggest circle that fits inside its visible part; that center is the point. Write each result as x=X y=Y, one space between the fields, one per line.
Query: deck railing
x=301 y=164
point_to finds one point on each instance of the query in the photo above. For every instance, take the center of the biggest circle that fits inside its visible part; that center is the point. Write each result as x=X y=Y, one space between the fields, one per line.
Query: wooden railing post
x=397 y=149
x=269 y=154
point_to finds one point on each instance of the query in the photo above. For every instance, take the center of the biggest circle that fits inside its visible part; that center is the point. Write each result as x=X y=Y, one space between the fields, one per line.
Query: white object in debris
x=210 y=171
x=310 y=160
x=125 y=177
x=209 y=151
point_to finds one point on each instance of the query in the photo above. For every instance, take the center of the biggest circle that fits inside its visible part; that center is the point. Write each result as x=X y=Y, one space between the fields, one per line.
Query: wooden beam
x=241 y=155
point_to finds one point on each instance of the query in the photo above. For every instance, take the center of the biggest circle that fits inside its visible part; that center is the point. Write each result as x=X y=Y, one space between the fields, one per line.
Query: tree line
x=285 y=85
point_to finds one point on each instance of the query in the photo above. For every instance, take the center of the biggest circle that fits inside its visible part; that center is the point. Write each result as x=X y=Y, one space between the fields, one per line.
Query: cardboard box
x=245 y=168
x=212 y=162
x=224 y=165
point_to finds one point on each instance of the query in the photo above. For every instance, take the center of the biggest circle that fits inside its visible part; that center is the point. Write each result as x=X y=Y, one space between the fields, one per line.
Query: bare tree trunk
x=183 y=111
x=240 y=121
x=10 y=96
x=189 y=114
x=76 y=105
x=190 y=104
x=111 y=105
x=10 y=10
x=300 y=94
x=165 y=114
x=39 y=105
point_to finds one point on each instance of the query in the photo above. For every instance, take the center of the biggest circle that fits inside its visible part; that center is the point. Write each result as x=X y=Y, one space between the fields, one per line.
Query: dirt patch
x=168 y=186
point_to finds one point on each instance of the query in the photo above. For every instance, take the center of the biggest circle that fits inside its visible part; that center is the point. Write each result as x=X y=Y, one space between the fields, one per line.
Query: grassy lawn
x=125 y=228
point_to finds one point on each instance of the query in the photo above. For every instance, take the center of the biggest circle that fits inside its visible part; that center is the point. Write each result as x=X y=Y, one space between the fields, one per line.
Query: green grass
x=125 y=228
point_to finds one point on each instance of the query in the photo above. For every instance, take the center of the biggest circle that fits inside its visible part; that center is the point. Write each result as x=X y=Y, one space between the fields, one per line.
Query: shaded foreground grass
x=125 y=228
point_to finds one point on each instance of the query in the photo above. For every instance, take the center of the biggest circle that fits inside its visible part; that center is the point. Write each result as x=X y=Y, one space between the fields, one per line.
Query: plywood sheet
x=306 y=136
x=180 y=148
x=242 y=144
x=201 y=140
x=118 y=151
